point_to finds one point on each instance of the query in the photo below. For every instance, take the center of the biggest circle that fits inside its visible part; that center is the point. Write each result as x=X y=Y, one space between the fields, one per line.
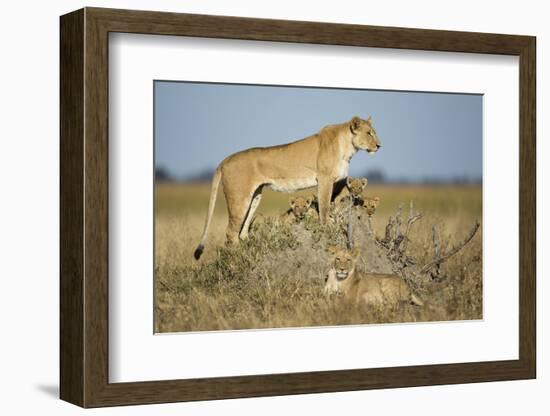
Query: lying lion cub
x=353 y=188
x=372 y=288
x=300 y=208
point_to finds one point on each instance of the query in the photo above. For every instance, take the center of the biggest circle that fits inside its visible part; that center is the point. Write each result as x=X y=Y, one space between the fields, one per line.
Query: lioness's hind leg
x=251 y=211
x=237 y=208
x=239 y=201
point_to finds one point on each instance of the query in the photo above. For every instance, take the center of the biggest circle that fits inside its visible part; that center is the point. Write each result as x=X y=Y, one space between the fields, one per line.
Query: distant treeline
x=375 y=176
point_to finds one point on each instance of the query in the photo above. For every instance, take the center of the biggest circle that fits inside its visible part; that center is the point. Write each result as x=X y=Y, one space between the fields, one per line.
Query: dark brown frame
x=84 y=209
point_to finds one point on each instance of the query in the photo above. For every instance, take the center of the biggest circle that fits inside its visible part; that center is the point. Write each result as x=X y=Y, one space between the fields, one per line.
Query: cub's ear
x=376 y=201
x=355 y=124
x=332 y=250
x=348 y=181
x=292 y=201
x=309 y=200
x=364 y=182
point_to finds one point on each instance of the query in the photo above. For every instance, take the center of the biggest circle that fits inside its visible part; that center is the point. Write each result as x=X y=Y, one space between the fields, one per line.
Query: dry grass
x=275 y=279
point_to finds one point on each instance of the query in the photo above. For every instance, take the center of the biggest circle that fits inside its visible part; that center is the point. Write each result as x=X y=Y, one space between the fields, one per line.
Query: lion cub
x=353 y=189
x=373 y=289
x=300 y=208
x=369 y=204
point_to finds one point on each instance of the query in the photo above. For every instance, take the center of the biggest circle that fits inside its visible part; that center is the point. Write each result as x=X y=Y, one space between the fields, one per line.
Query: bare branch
x=389 y=228
x=399 y=211
x=437 y=248
x=412 y=219
x=435 y=240
x=398 y=221
x=445 y=256
x=445 y=244
x=350 y=230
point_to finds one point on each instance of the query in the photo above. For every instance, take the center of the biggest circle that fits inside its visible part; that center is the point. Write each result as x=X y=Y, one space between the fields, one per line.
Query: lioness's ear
x=332 y=250
x=355 y=123
x=376 y=201
x=369 y=120
x=364 y=182
x=355 y=253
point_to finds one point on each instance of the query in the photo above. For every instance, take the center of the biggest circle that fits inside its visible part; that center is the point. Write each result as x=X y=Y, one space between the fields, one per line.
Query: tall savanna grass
x=275 y=278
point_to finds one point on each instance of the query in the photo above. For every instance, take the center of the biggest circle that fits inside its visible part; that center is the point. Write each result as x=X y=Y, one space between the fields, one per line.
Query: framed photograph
x=254 y=207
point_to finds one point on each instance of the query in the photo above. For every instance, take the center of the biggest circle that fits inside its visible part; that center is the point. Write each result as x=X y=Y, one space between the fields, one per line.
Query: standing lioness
x=318 y=160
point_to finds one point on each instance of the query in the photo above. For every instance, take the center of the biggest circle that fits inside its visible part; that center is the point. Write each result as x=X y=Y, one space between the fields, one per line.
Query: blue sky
x=423 y=135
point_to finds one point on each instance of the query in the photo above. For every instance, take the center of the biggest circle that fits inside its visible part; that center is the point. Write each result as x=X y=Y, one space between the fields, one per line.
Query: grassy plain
x=230 y=289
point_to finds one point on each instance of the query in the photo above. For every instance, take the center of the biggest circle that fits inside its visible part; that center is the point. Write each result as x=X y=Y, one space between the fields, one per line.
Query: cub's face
x=343 y=261
x=356 y=186
x=364 y=135
x=300 y=206
x=370 y=204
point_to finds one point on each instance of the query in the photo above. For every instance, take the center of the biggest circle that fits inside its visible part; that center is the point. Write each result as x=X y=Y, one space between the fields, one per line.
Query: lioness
x=300 y=208
x=354 y=188
x=318 y=160
x=373 y=289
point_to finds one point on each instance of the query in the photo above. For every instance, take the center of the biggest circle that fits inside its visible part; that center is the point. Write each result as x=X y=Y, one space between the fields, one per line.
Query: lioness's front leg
x=324 y=191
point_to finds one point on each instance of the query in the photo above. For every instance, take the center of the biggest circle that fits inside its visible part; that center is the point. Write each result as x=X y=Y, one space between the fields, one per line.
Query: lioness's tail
x=213 y=194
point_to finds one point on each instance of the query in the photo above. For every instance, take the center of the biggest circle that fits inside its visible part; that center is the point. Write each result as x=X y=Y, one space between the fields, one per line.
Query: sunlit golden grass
x=443 y=200
x=236 y=287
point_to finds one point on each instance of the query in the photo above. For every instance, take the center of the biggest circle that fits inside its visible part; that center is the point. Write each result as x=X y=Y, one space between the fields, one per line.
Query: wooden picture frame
x=84 y=207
